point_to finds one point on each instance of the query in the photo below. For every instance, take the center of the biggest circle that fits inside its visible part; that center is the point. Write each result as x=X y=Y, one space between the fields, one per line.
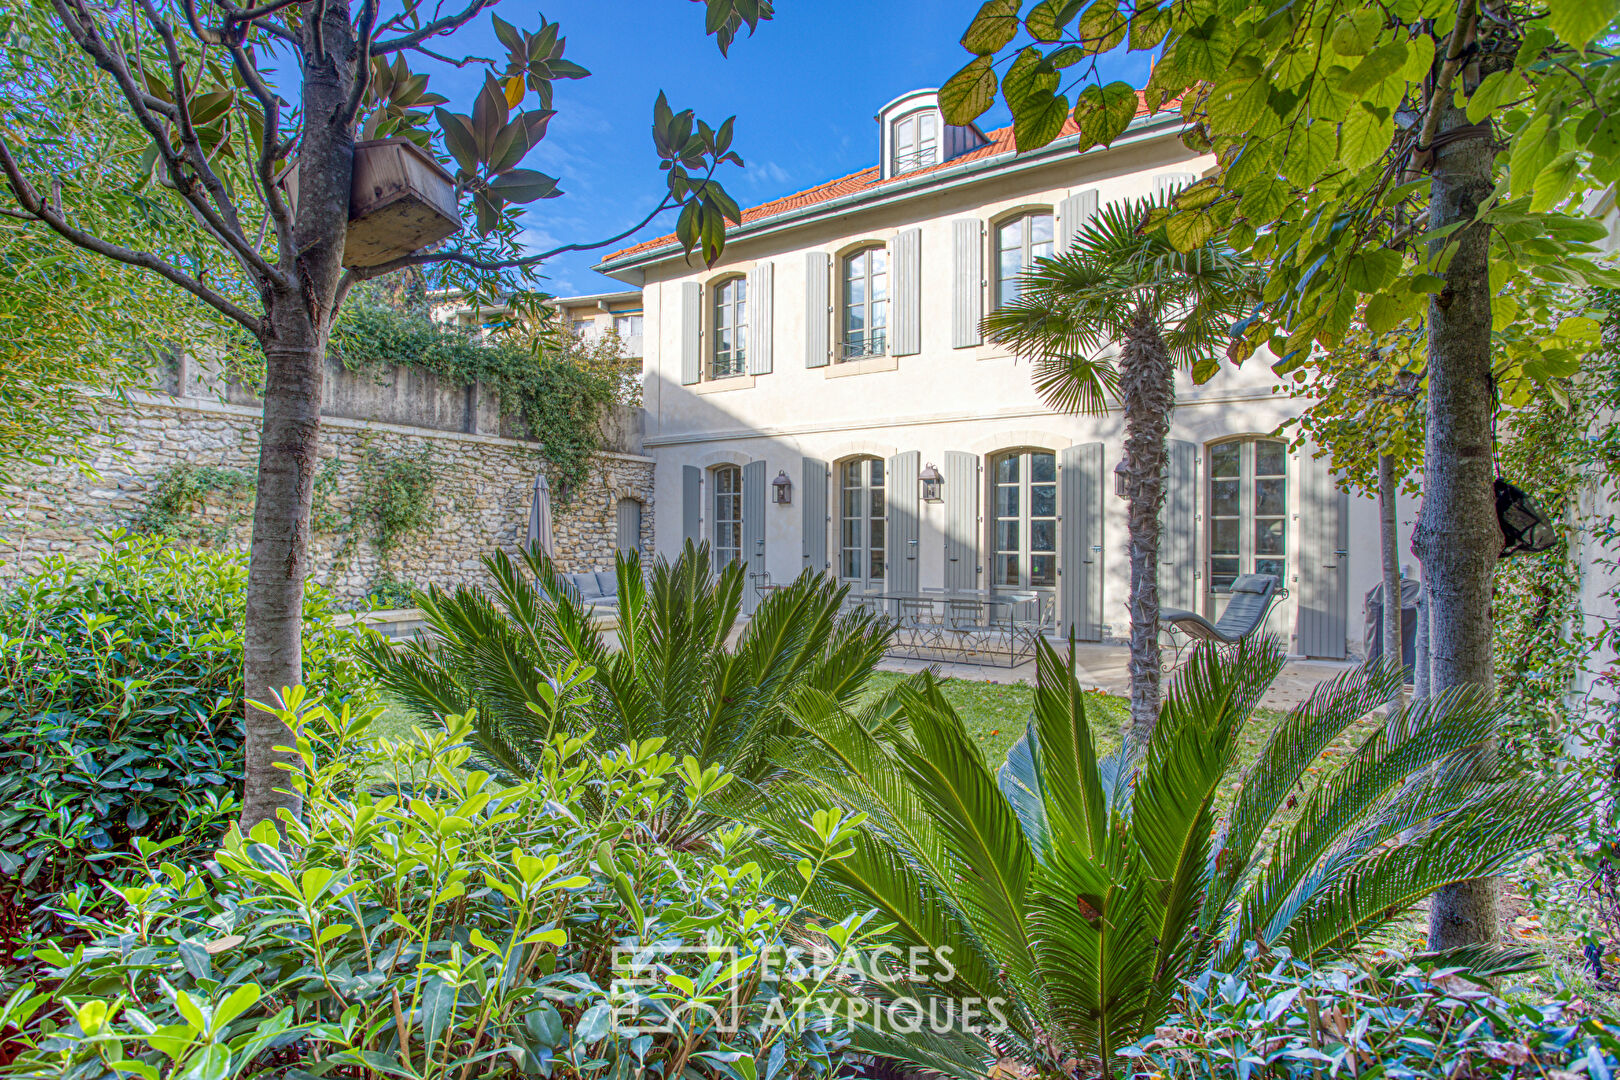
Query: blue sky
x=804 y=90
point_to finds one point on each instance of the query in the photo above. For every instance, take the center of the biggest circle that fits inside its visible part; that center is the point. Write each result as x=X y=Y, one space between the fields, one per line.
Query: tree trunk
x=1389 y=549
x=1457 y=536
x=1147 y=394
x=298 y=323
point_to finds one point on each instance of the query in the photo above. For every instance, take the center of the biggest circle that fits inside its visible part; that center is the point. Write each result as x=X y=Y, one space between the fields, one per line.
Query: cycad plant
x=673 y=673
x=1123 y=284
x=1077 y=887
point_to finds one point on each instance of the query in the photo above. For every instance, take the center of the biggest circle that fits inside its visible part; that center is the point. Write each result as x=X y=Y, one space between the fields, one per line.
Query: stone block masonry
x=481 y=495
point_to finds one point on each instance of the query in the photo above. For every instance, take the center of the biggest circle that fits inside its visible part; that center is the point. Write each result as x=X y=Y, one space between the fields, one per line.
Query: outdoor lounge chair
x=1252 y=597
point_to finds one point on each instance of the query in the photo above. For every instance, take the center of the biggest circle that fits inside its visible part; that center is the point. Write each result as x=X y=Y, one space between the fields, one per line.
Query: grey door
x=1178 y=549
x=753 y=530
x=629 y=526
x=691 y=504
x=813 y=506
x=1080 y=579
x=1322 y=575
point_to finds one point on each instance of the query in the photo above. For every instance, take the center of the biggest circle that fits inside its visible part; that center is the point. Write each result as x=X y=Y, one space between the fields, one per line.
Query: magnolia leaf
x=458 y=139
x=994 y=26
x=1577 y=22
x=967 y=94
x=514 y=92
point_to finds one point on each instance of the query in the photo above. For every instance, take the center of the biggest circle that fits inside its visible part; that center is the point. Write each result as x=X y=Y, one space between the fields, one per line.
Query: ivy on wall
x=395 y=497
x=556 y=402
x=179 y=494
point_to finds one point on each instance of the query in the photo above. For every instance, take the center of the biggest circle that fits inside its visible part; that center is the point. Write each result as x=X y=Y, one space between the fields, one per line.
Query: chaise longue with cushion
x=1251 y=600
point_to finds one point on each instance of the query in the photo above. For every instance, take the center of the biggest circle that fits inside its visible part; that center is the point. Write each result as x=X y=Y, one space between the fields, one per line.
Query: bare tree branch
x=30 y=201
x=1462 y=35
x=365 y=28
x=463 y=62
x=432 y=29
x=269 y=152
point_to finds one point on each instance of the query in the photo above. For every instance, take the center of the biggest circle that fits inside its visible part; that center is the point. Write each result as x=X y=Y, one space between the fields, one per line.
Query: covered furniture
x=1252 y=598
x=597 y=590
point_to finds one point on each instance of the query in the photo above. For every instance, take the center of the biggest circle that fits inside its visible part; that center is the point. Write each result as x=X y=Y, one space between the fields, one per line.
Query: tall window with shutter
x=728 y=515
x=1019 y=242
x=730 y=320
x=864 y=304
x=1248 y=512
x=1024 y=534
x=862 y=515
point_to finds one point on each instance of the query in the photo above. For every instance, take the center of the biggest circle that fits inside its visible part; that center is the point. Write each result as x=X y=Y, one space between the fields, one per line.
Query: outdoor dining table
x=965 y=626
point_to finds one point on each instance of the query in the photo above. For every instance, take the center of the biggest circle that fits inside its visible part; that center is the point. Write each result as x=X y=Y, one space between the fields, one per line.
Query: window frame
x=1248 y=559
x=738 y=354
x=877 y=336
x=1024 y=518
x=915 y=159
x=734 y=499
x=1023 y=217
x=868 y=556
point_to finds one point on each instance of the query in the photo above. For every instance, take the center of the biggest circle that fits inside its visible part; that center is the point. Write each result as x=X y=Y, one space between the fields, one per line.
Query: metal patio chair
x=1252 y=598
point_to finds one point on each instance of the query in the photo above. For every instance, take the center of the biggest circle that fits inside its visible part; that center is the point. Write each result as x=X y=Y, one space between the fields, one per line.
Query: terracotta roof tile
x=1000 y=141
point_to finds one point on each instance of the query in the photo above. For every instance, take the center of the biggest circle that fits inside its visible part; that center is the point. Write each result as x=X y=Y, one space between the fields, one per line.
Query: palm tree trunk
x=1147 y=393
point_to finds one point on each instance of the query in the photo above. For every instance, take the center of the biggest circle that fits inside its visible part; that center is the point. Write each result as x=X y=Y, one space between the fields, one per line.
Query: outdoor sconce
x=1122 y=477
x=782 y=489
x=931 y=481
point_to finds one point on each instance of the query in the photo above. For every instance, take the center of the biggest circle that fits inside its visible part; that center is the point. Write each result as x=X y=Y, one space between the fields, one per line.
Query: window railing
x=724 y=367
x=860 y=346
x=917 y=159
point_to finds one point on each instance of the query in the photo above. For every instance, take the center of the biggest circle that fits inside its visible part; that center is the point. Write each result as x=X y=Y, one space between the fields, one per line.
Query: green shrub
x=120 y=707
x=455 y=925
x=1282 y=1020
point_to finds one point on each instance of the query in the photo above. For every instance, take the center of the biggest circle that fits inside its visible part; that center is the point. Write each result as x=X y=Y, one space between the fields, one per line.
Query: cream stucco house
x=836 y=347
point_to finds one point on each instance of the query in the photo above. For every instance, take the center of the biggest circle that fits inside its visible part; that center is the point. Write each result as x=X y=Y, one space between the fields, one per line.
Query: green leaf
x=458 y=139
x=1365 y=137
x=1202 y=50
x=1577 y=22
x=1028 y=80
x=1492 y=89
x=1373 y=270
x=1375 y=68
x=1037 y=123
x=1529 y=154
x=1103 y=26
x=1149 y=27
x=1043 y=23
x=1104 y=112
x=1238 y=103
x=1555 y=182
x=994 y=26
x=1187 y=230
x=1310 y=153
x=525 y=185
x=967 y=94
x=1355 y=35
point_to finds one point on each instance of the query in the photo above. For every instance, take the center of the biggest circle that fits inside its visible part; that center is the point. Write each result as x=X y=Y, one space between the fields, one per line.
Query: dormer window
x=916 y=141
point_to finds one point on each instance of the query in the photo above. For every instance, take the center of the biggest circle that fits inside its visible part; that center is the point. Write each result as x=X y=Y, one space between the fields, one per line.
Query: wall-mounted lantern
x=1122 y=479
x=782 y=489
x=931 y=481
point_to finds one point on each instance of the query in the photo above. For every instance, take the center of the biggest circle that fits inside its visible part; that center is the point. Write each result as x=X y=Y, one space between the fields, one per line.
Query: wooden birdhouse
x=401 y=201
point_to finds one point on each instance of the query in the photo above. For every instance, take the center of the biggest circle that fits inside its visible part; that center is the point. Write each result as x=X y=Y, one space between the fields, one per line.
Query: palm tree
x=1079 y=888
x=673 y=675
x=1122 y=281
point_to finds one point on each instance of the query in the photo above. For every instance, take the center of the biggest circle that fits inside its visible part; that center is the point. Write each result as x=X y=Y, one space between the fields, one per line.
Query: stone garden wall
x=480 y=496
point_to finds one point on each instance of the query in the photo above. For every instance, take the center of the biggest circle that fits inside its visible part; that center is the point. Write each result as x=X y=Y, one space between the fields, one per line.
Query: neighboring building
x=836 y=344
x=589 y=316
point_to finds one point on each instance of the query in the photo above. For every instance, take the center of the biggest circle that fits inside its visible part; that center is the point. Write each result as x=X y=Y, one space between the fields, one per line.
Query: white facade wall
x=976 y=399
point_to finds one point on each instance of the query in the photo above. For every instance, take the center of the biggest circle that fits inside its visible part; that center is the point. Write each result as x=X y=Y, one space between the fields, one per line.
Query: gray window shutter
x=1167 y=184
x=906 y=262
x=1178 y=551
x=1322 y=571
x=761 y=299
x=1080 y=556
x=817 y=269
x=1074 y=212
x=961 y=520
x=967 y=282
x=691 y=332
x=753 y=530
x=813 y=504
x=901 y=496
x=691 y=504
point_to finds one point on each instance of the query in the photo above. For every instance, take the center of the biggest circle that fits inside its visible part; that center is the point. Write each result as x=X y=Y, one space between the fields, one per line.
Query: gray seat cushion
x=585 y=585
x=607 y=582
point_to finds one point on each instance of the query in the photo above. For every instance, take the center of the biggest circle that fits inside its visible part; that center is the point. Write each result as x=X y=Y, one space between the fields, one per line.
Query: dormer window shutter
x=817 y=312
x=905 y=256
x=691 y=332
x=1073 y=213
x=967 y=281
